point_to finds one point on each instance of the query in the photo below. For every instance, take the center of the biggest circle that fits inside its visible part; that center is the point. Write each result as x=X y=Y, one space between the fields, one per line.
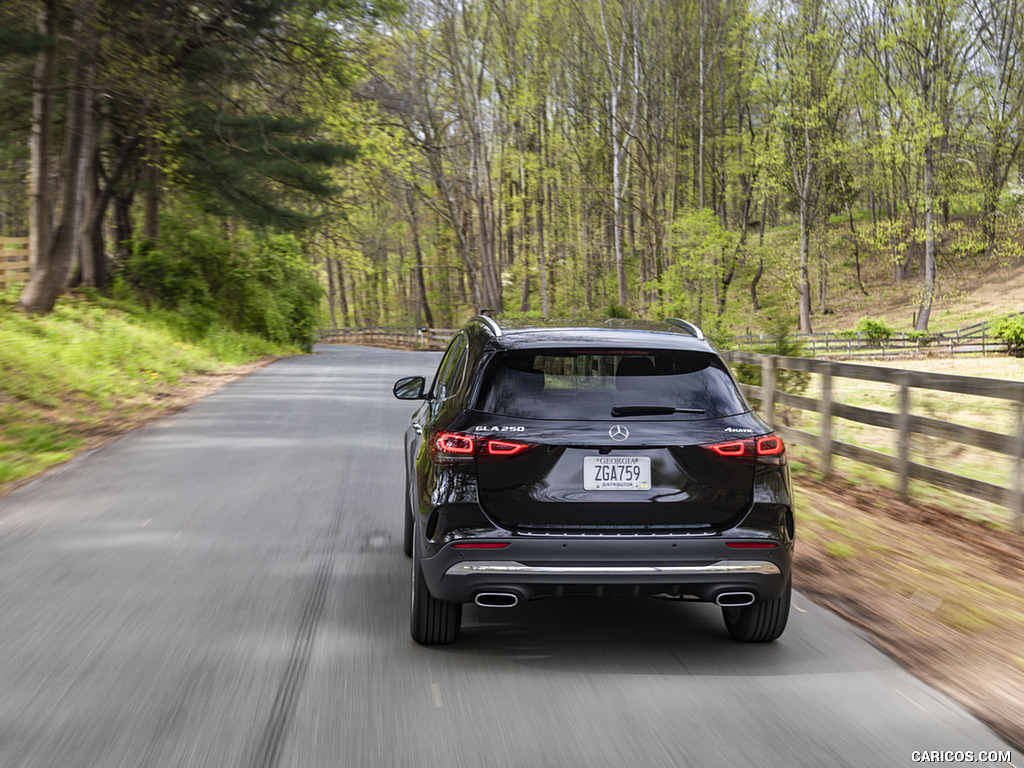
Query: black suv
x=600 y=458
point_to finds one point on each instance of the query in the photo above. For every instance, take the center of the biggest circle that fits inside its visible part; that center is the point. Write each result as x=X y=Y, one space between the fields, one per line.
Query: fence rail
x=969 y=340
x=13 y=261
x=389 y=336
x=904 y=424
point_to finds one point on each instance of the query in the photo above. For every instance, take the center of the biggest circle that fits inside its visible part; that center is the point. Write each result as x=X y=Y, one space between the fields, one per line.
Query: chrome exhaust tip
x=735 y=599
x=497 y=599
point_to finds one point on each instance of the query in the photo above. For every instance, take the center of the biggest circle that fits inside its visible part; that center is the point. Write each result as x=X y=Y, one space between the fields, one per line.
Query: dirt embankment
x=941 y=594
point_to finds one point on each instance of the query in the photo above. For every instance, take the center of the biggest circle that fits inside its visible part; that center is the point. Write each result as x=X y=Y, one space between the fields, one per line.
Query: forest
x=288 y=165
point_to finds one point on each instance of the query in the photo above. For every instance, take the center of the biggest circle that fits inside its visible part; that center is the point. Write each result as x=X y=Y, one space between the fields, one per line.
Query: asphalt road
x=227 y=589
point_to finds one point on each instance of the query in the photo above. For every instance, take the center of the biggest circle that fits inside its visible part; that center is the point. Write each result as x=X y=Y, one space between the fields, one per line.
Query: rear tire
x=431 y=621
x=759 y=622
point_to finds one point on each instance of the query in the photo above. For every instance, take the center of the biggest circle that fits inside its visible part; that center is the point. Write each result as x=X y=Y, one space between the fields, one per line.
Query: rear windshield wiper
x=651 y=410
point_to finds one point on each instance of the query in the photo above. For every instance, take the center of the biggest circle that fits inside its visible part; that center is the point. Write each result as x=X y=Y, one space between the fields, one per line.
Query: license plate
x=616 y=473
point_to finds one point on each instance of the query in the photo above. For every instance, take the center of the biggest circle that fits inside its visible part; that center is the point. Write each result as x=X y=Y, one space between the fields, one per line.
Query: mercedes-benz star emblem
x=618 y=433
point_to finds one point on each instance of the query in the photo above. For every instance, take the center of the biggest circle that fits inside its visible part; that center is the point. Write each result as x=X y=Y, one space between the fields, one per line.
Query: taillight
x=734 y=448
x=455 y=447
x=453 y=443
x=767 y=449
x=503 y=448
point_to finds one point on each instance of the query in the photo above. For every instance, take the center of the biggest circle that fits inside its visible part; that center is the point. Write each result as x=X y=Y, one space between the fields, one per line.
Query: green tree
x=923 y=49
x=810 y=103
x=196 y=87
x=996 y=76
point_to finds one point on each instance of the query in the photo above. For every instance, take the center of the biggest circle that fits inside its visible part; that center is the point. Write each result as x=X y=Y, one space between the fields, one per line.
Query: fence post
x=768 y=389
x=903 y=449
x=826 y=421
x=1018 y=471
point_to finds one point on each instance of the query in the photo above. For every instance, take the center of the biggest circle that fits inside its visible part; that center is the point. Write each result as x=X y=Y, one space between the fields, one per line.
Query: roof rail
x=686 y=326
x=489 y=322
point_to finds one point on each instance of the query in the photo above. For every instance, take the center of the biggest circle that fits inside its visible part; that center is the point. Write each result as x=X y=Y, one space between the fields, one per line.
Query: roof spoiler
x=686 y=326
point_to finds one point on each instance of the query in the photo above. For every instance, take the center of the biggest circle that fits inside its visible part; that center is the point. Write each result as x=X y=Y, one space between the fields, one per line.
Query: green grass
x=839 y=550
x=90 y=362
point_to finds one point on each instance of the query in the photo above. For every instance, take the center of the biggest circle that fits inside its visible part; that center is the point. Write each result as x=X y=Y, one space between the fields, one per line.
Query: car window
x=586 y=384
x=451 y=369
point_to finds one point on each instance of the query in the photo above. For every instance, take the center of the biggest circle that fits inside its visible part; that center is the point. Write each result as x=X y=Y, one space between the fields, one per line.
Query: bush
x=779 y=328
x=253 y=284
x=721 y=336
x=1011 y=331
x=617 y=311
x=873 y=329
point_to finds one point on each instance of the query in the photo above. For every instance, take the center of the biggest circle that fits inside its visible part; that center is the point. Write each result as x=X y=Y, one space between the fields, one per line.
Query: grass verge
x=93 y=368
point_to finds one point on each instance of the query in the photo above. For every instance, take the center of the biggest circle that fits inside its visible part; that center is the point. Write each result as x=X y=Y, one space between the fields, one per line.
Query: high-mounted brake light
x=767 y=449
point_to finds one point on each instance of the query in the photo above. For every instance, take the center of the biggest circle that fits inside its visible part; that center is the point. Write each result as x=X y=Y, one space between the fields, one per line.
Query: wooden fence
x=903 y=424
x=393 y=337
x=970 y=340
x=13 y=261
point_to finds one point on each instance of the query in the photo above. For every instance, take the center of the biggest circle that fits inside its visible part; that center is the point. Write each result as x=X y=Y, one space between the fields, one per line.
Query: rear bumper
x=700 y=569
x=506 y=567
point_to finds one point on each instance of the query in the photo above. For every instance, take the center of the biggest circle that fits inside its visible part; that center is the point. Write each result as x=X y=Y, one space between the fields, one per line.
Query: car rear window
x=587 y=384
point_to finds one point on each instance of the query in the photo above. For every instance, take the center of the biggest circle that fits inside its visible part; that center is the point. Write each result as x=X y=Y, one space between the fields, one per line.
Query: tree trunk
x=52 y=272
x=701 y=108
x=123 y=233
x=420 y=284
x=343 y=303
x=930 y=269
x=760 y=254
x=856 y=246
x=40 y=200
x=332 y=291
x=805 y=280
x=153 y=178
x=542 y=244
x=86 y=263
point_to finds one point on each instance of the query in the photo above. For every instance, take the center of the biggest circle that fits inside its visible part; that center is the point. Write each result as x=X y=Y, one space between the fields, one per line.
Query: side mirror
x=410 y=388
